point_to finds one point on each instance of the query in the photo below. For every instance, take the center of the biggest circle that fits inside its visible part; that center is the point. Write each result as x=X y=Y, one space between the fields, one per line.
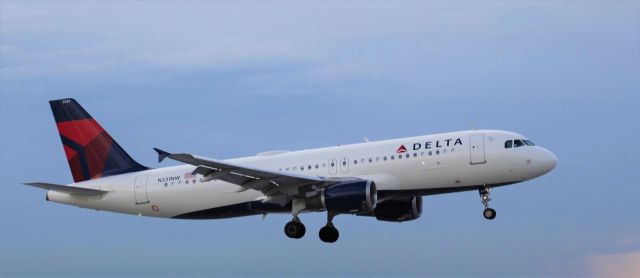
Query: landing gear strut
x=295 y=228
x=488 y=212
x=329 y=233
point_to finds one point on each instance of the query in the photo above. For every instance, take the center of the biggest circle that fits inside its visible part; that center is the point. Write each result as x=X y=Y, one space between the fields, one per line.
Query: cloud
x=614 y=265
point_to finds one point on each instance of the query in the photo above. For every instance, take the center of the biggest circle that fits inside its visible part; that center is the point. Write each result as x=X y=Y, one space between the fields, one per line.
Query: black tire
x=329 y=234
x=294 y=229
x=489 y=213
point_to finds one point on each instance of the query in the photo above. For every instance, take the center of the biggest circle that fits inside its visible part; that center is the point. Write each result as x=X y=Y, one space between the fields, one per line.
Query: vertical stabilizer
x=90 y=150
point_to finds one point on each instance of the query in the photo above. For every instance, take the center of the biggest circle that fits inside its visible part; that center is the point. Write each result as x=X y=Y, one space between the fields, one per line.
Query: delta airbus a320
x=382 y=179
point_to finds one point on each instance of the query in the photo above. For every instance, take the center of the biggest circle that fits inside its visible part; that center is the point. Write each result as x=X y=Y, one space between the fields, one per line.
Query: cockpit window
x=508 y=144
x=518 y=143
x=528 y=143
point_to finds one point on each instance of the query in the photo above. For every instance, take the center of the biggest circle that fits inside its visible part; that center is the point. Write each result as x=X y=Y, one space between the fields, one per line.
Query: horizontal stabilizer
x=161 y=154
x=66 y=189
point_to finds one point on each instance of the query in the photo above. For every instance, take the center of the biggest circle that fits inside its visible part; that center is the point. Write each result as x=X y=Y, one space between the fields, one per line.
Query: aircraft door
x=344 y=165
x=140 y=189
x=333 y=166
x=476 y=147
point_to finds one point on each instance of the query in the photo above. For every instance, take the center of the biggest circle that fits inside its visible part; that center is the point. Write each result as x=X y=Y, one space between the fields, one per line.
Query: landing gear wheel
x=489 y=213
x=329 y=234
x=294 y=229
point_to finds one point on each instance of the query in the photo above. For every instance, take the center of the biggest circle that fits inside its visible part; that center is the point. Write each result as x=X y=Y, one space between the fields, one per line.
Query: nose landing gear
x=488 y=212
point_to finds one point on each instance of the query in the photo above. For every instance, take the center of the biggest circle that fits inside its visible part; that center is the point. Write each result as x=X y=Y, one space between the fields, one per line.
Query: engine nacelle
x=358 y=196
x=399 y=210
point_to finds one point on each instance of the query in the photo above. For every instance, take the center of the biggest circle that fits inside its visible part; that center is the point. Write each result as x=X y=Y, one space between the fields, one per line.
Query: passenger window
x=370 y=159
x=377 y=159
x=517 y=143
x=362 y=161
x=355 y=161
x=508 y=144
x=415 y=154
x=444 y=151
x=317 y=166
x=309 y=167
x=399 y=156
x=333 y=164
x=344 y=163
x=384 y=158
x=393 y=157
x=430 y=153
x=437 y=152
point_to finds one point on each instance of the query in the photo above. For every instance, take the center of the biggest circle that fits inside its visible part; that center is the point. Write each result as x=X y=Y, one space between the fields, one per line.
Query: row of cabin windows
x=371 y=160
x=517 y=143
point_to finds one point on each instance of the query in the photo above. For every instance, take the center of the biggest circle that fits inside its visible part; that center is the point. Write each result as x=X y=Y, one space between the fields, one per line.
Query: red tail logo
x=401 y=149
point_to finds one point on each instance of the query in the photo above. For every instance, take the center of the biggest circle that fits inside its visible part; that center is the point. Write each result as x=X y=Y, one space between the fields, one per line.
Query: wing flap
x=66 y=188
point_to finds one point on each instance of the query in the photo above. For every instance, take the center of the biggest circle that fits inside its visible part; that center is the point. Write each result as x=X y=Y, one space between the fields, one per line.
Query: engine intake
x=359 y=196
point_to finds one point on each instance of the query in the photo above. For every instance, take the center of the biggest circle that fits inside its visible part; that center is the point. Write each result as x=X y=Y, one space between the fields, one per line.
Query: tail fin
x=90 y=151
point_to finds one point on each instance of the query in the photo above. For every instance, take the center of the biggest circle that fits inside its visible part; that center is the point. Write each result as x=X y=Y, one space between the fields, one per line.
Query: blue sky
x=230 y=79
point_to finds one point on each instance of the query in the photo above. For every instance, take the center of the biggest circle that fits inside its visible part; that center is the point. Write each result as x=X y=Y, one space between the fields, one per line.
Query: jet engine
x=398 y=210
x=358 y=196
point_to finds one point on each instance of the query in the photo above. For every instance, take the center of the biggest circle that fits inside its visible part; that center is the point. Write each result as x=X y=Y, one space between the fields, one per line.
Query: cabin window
x=377 y=159
x=317 y=166
x=333 y=164
x=508 y=144
x=355 y=161
x=344 y=163
x=430 y=153
x=399 y=156
x=444 y=151
x=370 y=160
x=309 y=167
x=384 y=158
x=415 y=154
x=301 y=168
x=408 y=155
x=362 y=161
x=437 y=152
x=393 y=157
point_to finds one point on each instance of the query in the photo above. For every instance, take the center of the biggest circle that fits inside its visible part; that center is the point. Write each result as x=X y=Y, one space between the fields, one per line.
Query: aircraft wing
x=278 y=187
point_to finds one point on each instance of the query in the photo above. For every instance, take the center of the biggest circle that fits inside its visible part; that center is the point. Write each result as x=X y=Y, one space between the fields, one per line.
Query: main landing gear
x=295 y=228
x=329 y=233
x=488 y=212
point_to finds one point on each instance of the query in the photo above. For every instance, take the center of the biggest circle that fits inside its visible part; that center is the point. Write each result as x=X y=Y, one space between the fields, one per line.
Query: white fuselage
x=448 y=161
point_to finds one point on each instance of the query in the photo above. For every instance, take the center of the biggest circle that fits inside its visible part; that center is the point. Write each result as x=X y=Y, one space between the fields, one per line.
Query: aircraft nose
x=547 y=161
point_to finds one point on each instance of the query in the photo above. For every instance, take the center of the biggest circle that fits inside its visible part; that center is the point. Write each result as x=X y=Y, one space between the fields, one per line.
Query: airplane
x=382 y=179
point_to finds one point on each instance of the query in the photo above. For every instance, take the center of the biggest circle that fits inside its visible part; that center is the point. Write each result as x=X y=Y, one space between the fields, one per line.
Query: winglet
x=161 y=154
